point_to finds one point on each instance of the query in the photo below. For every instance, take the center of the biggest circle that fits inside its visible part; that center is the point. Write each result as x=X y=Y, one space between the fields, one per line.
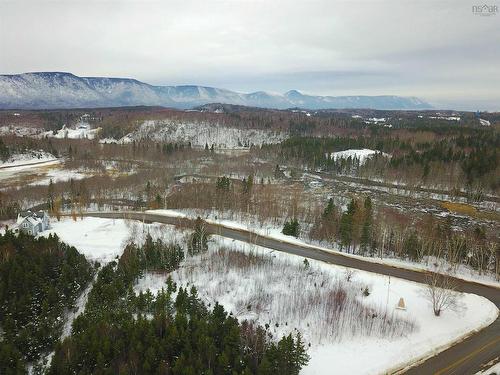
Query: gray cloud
x=438 y=49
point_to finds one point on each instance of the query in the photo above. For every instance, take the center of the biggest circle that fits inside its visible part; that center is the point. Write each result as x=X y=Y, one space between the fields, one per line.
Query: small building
x=33 y=222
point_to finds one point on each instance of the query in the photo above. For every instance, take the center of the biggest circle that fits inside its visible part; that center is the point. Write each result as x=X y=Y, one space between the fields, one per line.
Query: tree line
x=359 y=229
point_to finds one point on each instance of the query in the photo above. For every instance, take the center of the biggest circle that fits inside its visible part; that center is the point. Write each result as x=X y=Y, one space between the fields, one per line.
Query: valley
x=287 y=206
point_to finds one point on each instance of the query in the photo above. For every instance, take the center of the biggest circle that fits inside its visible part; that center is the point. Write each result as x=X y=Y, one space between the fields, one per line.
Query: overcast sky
x=437 y=50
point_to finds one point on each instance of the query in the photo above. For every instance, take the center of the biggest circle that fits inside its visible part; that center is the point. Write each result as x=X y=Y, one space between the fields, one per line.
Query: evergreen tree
x=4 y=151
x=291 y=228
x=329 y=209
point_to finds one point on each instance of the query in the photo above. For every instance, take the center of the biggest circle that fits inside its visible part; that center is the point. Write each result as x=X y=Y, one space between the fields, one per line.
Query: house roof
x=33 y=217
x=25 y=213
x=33 y=220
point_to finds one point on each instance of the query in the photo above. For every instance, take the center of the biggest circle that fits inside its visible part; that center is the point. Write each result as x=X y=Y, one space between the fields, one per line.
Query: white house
x=33 y=222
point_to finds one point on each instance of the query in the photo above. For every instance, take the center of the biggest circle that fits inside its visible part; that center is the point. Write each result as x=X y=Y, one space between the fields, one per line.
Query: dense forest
x=473 y=153
x=40 y=280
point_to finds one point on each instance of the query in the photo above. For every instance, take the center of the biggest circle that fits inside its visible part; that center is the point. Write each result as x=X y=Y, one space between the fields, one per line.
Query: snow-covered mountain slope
x=65 y=90
x=374 y=102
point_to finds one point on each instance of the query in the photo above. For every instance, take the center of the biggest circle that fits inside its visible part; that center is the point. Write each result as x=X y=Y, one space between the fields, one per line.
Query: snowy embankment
x=270 y=230
x=27 y=158
x=493 y=369
x=278 y=289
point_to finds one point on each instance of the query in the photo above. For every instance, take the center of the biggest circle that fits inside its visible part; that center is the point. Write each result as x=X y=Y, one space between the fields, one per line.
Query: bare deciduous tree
x=441 y=292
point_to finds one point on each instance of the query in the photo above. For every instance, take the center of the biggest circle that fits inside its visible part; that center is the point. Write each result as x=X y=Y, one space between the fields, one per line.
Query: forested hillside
x=462 y=158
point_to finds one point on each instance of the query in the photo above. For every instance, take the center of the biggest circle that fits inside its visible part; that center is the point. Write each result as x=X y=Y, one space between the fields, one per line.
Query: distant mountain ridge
x=53 y=90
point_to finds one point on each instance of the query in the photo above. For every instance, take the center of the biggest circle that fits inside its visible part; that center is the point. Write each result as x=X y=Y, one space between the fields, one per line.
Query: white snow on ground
x=79 y=308
x=349 y=352
x=98 y=239
x=103 y=240
x=272 y=231
x=10 y=171
x=202 y=133
x=460 y=271
x=20 y=131
x=361 y=154
x=448 y=118
x=27 y=157
x=59 y=175
x=39 y=174
x=493 y=370
x=484 y=122
x=81 y=131
x=376 y=120
x=11 y=176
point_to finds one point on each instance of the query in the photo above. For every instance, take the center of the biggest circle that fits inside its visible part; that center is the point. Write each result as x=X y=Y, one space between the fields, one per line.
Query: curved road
x=465 y=357
x=29 y=164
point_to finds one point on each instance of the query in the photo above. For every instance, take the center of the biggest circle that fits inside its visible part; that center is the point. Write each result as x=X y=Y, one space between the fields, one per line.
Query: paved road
x=30 y=164
x=465 y=357
x=367 y=182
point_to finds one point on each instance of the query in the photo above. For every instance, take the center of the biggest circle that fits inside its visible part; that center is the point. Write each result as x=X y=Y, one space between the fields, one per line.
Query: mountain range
x=52 y=90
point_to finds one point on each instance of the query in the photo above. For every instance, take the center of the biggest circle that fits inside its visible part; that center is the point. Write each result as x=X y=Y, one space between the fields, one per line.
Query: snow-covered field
x=39 y=174
x=276 y=289
x=59 y=175
x=273 y=287
x=202 y=133
x=98 y=239
x=360 y=154
x=29 y=157
x=103 y=240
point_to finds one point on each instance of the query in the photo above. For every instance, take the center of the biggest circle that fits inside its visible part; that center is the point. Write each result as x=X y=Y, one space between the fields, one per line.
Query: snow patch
x=98 y=239
x=80 y=131
x=27 y=157
x=361 y=154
